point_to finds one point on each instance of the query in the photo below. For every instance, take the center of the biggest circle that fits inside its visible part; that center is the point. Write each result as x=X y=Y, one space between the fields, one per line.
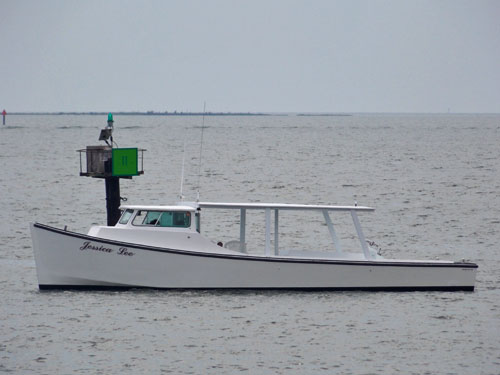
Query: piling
x=113 y=200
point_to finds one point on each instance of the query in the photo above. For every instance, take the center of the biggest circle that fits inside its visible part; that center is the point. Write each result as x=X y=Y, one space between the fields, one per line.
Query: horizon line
x=238 y=113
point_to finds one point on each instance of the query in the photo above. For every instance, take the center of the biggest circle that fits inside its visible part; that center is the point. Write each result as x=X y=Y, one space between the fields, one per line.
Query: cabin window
x=126 y=216
x=152 y=218
x=178 y=219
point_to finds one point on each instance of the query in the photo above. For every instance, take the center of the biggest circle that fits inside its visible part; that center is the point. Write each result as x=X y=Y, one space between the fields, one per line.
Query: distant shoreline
x=300 y=114
x=150 y=113
x=144 y=113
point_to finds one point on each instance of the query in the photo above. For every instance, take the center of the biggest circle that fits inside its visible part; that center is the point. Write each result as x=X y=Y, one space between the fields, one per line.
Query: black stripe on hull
x=314 y=289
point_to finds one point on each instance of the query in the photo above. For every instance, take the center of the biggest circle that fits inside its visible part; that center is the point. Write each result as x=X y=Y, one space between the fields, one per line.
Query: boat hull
x=67 y=260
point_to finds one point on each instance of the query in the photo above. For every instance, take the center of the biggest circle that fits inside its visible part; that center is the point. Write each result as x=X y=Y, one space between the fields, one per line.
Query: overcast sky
x=269 y=56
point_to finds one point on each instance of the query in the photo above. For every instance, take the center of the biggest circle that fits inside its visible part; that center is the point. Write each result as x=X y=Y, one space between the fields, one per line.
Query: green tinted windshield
x=126 y=216
x=179 y=219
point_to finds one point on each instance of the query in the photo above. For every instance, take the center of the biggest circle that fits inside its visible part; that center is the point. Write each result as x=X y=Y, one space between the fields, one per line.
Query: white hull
x=70 y=260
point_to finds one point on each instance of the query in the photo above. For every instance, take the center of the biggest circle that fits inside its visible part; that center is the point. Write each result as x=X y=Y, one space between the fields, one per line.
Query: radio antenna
x=201 y=150
x=181 y=196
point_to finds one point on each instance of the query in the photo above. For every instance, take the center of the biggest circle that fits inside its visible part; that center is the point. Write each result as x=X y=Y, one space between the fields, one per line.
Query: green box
x=124 y=162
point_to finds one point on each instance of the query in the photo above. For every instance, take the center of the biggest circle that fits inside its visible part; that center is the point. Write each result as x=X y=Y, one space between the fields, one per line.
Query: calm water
x=434 y=180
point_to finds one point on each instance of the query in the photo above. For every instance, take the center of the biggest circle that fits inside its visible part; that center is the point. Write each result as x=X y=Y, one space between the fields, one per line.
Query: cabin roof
x=282 y=206
x=188 y=206
x=157 y=208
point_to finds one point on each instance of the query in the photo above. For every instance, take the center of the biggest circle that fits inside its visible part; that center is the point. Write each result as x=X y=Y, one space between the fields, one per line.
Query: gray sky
x=270 y=56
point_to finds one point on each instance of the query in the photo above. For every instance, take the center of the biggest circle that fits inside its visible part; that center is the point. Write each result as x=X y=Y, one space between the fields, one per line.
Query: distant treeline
x=324 y=114
x=175 y=113
x=149 y=113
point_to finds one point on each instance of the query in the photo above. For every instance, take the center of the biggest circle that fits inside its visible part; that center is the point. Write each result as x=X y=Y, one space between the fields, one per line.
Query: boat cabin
x=157 y=216
x=169 y=223
x=163 y=217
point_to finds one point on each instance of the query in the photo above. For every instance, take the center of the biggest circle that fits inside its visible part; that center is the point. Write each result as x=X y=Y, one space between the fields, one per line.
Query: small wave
x=443 y=317
x=131 y=127
x=199 y=127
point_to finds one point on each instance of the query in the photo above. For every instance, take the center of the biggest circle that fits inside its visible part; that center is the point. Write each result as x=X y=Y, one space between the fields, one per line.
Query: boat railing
x=272 y=246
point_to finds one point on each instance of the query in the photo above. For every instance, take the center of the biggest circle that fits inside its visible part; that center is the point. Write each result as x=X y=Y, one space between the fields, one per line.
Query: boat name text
x=87 y=245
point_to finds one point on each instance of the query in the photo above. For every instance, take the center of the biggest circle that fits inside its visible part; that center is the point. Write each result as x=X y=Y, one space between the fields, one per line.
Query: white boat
x=163 y=247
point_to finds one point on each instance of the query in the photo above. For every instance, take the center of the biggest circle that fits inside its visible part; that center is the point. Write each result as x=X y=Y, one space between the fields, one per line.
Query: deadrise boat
x=163 y=247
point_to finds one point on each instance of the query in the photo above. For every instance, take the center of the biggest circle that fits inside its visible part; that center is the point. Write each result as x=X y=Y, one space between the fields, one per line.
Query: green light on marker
x=110 y=117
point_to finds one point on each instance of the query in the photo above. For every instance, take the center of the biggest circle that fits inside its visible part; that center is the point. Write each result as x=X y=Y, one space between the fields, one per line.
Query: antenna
x=181 y=196
x=201 y=149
